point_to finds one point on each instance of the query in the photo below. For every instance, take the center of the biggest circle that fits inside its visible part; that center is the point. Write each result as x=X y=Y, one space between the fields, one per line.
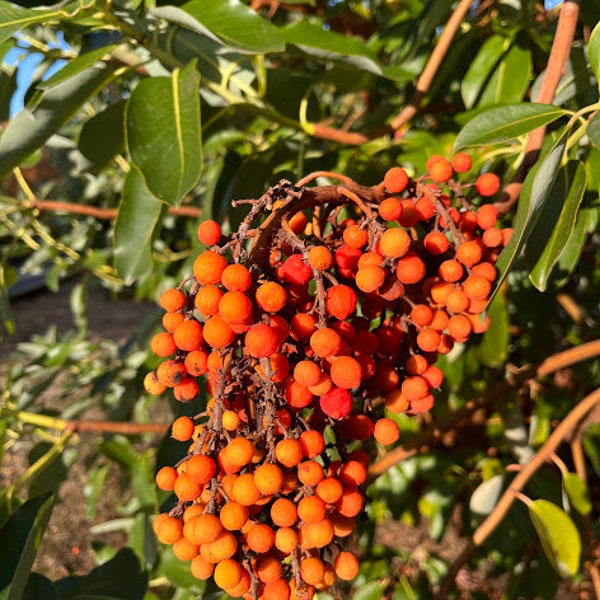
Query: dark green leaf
x=493 y=348
x=594 y=50
x=585 y=224
x=559 y=536
x=119 y=449
x=237 y=25
x=34 y=125
x=21 y=536
x=534 y=193
x=8 y=86
x=121 y=578
x=593 y=130
x=177 y=572
x=76 y=65
x=505 y=123
x=552 y=237
x=137 y=221
x=164 y=135
x=578 y=493
x=102 y=137
x=591 y=446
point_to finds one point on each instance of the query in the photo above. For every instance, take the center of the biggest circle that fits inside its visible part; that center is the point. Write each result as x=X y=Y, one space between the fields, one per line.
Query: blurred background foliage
x=126 y=122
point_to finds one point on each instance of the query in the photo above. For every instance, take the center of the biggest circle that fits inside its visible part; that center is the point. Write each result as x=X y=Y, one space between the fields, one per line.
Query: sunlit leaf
x=578 y=493
x=594 y=50
x=486 y=495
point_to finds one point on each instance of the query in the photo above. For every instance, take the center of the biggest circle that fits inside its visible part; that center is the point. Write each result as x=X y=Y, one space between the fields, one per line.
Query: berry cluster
x=323 y=313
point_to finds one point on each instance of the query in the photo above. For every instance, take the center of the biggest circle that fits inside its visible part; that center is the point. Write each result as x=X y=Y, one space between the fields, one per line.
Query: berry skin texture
x=394 y=243
x=340 y=301
x=209 y=232
x=395 y=180
x=182 y=429
x=271 y=297
x=208 y=267
x=173 y=299
x=346 y=372
x=261 y=341
x=386 y=431
x=462 y=162
x=487 y=184
x=337 y=403
x=163 y=344
x=440 y=169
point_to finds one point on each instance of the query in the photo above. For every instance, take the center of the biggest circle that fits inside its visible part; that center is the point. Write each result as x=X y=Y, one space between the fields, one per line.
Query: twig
x=493 y=520
x=433 y=65
x=557 y=62
x=428 y=435
x=325 y=132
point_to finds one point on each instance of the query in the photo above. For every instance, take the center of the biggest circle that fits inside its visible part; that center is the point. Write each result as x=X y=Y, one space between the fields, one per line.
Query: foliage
x=160 y=112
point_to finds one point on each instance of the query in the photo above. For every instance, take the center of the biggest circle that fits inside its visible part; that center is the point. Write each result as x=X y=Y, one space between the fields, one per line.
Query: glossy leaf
x=559 y=536
x=506 y=123
x=236 y=25
x=593 y=130
x=486 y=495
x=499 y=73
x=21 y=536
x=103 y=136
x=493 y=348
x=594 y=50
x=139 y=214
x=76 y=65
x=535 y=191
x=578 y=493
x=31 y=127
x=8 y=86
x=164 y=135
x=553 y=236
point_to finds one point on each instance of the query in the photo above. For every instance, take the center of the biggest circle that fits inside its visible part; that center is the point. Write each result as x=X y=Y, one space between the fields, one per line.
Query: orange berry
x=230 y=420
x=288 y=452
x=492 y=238
x=340 y=301
x=167 y=529
x=386 y=431
x=208 y=267
x=477 y=288
x=310 y=472
x=223 y=547
x=394 y=243
x=316 y=535
x=196 y=363
x=370 y=278
x=325 y=342
x=346 y=565
x=422 y=405
x=173 y=300
x=487 y=215
x=172 y=320
x=186 y=488
x=236 y=278
x=440 y=320
x=277 y=590
x=295 y=271
x=200 y=468
x=425 y=208
x=352 y=474
x=286 y=539
x=485 y=270
x=284 y=512
x=428 y=340
x=312 y=570
x=416 y=364
x=163 y=345
x=434 y=377
x=450 y=271
x=346 y=372
x=182 y=429
x=240 y=451
x=271 y=297
x=228 y=574
x=201 y=568
x=152 y=384
x=307 y=373
x=369 y=259
x=268 y=479
x=469 y=253
x=415 y=387
x=440 y=170
x=436 y=243
x=260 y=538
x=171 y=372
x=322 y=386
x=297 y=395
x=311 y=509
x=336 y=403
x=410 y=217
x=184 y=550
x=166 y=478
x=329 y=490
x=462 y=162
x=303 y=325
x=459 y=327
x=188 y=336
x=421 y=315
x=320 y=258
x=209 y=232
x=355 y=237
x=244 y=490
x=395 y=180
x=235 y=308
x=207 y=300
x=487 y=184
x=186 y=390
x=356 y=427
x=269 y=568
x=350 y=503
x=233 y=516
x=217 y=332
x=391 y=209
x=457 y=301
x=261 y=341
x=342 y=526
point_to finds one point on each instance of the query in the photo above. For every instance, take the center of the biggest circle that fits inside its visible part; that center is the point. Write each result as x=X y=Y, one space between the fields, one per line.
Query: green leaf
x=372 y=590
x=139 y=215
x=103 y=136
x=164 y=135
x=593 y=130
x=35 y=124
x=535 y=191
x=506 y=123
x=485 y=496
x=176 y=571
x=119 y=449
x=236 y=25
x=21 y=536
x=578 y=493
x=594 y=50
x=559 y=536
x=551 y=235
x=499 y=73
x=121 y=578
x=591 y=446
x=8 y=86
x=493 y=348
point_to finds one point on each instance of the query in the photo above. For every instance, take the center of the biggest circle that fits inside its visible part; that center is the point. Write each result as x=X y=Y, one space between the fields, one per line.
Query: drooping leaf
x=570 y=187
x=594 y=50
x=164 y=134
x=584 y=225
x=534 y=194
x=21 y=536
x=559 y=536
x=236 y=25
x=506 y=123
x=578 y=493
x=33 y=125
x=139 y=214
x=103 y=136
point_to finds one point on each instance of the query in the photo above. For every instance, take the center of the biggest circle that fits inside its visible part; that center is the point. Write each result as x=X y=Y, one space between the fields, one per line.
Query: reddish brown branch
x=325 y=132
x=557 y=63
x=104 y=213
x=433 y=64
